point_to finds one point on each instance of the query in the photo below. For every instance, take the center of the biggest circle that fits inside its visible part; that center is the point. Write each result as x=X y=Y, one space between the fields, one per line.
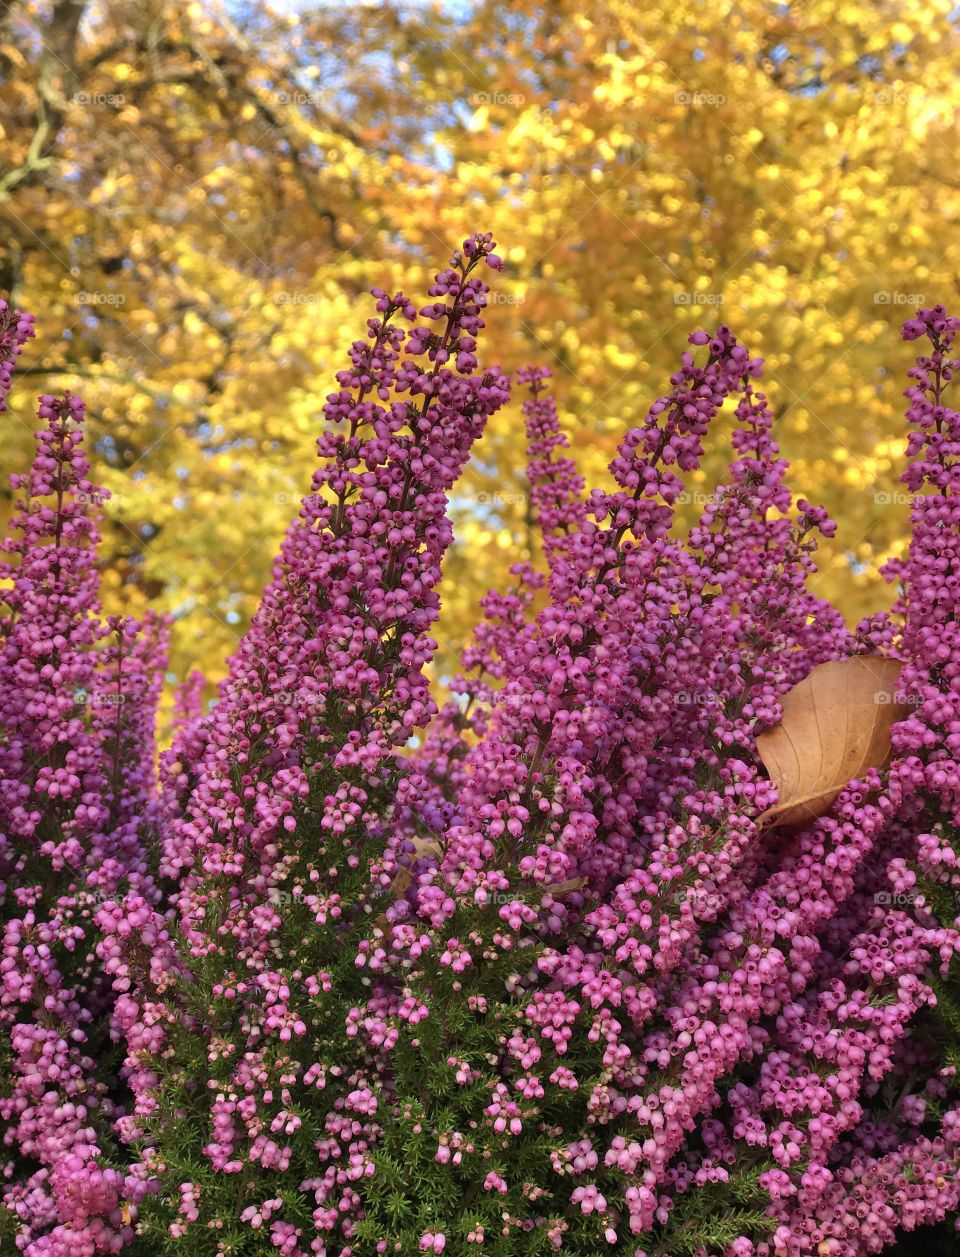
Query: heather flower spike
x=16 y=328
x=78 y=698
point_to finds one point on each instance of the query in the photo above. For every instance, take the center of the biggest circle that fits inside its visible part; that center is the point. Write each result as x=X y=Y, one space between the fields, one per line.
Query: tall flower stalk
x=78 y=698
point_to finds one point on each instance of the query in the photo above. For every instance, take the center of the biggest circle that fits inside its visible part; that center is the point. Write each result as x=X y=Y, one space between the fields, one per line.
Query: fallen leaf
x=427 y=847
x=403 y=877
x=559 y=889
x=836 y=725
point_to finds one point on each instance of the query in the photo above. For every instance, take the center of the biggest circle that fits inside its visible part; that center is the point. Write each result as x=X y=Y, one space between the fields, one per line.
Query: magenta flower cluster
x=351 y=975
x=78 y=693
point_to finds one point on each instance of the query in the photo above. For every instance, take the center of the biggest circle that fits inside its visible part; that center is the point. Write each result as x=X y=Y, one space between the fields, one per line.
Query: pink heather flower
x=16 y=328
x=78 y=698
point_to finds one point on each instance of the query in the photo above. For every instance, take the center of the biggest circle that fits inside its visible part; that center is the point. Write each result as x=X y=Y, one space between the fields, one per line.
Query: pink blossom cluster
x=529 y=973
x=16 y=328
x=78 y=693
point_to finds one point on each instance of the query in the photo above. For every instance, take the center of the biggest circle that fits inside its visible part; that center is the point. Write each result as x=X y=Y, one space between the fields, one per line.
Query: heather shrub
x=533 y=972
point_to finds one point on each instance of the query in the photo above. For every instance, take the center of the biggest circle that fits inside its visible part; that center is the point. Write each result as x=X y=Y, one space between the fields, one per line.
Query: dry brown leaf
x=403 y=877
x=836 y=725
x=427 y=846
x=559 y=889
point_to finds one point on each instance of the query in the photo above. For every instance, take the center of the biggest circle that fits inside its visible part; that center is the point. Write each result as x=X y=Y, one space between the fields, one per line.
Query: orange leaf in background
x=836 y=725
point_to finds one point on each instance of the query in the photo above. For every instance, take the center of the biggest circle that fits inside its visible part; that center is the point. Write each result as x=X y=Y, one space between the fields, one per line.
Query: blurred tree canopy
x=194 y=199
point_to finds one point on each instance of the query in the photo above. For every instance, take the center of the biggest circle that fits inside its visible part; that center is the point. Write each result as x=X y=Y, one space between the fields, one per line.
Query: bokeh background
x=194 y=199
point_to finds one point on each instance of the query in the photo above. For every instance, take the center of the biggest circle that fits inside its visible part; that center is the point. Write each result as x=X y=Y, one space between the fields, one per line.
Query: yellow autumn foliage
x=195 y=204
